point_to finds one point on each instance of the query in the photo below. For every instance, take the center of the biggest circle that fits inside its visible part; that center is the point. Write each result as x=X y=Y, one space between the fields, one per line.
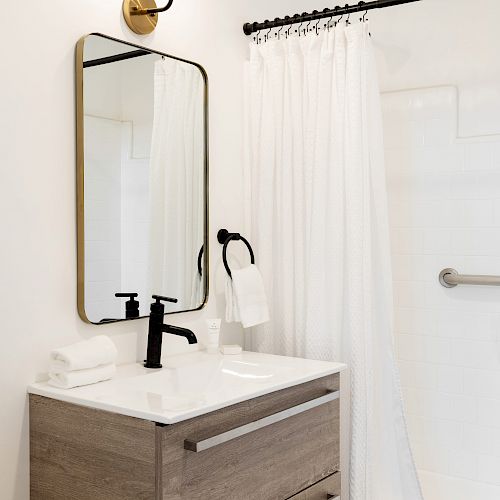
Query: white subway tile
x=481 y=265
x=468 y=353
x=463 y=408
x=437 y=241
x=478 y=156
x=495 y=154
x=430 y=458
x=481 y=440
x=102 y=271
x=450 y=379
x=488 y=469
x=444 y=487
x=438 y=132
x=461 y=464
x=411 y=347
x=444 y=158
x=406 y=373
x=482 y=383
x=416 y=321
x=425 y=376
x=489 y=412
x=459 y=324
x=476 y=241
x=397 y=160
x=437 y=350
x=474 y=185
x=429 y=185
x=409 y=293
x=476 y=213
x=407 y=241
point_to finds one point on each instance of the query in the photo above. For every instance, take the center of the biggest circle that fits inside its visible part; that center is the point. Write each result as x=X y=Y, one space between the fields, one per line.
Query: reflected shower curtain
x=318 y=219
x=176 y=182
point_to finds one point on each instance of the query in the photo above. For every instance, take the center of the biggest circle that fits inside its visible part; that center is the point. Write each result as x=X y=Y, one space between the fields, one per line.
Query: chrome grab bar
x=205 y=444
x=450 y=278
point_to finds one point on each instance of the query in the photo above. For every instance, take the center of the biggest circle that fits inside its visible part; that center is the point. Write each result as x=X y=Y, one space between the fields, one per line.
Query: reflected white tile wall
x=444 y=204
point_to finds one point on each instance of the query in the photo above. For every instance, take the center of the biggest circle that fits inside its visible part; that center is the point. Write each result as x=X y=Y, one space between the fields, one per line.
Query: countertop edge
x=161 y=419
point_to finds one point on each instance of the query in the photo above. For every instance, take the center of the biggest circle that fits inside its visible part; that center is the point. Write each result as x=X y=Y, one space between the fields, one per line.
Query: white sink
x=191 y=384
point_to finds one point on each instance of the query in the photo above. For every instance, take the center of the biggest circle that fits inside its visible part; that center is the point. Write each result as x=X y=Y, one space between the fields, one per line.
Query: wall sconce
x=142 y=15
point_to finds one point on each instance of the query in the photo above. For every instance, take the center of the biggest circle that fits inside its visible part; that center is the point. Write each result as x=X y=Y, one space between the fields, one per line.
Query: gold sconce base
x=140 y=24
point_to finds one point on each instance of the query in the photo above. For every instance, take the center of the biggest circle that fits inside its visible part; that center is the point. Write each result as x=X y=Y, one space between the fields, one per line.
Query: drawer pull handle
x=205 y=444
x=333 y=497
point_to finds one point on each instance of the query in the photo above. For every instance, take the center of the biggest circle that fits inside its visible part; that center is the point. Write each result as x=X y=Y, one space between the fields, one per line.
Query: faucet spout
x=181 y=332
x=156 y=330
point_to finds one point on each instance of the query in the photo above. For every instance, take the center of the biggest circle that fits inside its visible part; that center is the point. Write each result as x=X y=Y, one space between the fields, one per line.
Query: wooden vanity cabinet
x=284 y=445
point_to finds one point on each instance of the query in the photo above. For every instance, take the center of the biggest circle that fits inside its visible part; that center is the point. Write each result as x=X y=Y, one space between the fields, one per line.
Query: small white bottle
x=213 y=326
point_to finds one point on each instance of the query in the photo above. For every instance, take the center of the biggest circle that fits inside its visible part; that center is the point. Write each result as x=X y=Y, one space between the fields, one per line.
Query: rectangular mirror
x=142 y=176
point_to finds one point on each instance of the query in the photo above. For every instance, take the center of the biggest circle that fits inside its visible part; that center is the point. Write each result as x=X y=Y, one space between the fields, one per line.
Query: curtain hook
x=300 y=28
x=314 y=12
x=316 y=27
x=287 y=18
x=339 y=19
x=256 y=38
x=300 y=25
x=325 y=11
x=266 y=36
x=347 y=21
x=360 y=4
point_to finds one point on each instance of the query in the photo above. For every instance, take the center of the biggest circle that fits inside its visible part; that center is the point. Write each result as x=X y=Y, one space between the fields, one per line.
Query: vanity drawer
x=327 y=489
x=268 y=448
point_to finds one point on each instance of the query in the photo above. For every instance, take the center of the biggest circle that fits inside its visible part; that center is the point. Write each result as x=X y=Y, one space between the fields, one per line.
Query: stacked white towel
x=246 y=298
x=83 y=363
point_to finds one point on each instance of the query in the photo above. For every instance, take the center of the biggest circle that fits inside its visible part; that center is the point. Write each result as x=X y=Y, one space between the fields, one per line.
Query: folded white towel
x=97 y=351
x=76 y=378
x=246 y=297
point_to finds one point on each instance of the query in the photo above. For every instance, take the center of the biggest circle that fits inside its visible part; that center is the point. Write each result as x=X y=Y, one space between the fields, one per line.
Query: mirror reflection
x=144 y=181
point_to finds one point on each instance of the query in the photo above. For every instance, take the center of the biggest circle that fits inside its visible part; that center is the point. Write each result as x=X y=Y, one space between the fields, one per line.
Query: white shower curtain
x=176 y=183
x=318 y=222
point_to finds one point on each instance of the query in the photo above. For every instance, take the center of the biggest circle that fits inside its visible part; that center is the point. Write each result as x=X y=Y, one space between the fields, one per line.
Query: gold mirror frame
x=80 y=179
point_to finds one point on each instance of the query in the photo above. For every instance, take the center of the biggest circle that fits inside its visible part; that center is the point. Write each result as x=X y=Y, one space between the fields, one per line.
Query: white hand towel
x=76 y=378
x=97 y=351
x=232 y=314
x=249 y=296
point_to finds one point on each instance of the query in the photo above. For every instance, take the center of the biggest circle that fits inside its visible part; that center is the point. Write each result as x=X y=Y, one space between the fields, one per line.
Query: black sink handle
x=159 y=298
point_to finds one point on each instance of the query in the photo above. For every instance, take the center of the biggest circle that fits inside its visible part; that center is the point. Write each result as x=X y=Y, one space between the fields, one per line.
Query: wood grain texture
x=321 y=490
x=269 y=464
x=81 y=453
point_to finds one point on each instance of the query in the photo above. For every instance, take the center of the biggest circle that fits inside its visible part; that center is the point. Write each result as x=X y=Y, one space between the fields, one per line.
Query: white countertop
x=191 y=384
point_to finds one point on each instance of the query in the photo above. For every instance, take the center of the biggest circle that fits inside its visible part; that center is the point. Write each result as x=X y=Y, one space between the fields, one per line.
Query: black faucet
x=156 y=330
x=131 y=306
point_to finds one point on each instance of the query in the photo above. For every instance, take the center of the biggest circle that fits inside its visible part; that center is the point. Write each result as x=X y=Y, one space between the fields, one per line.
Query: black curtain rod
x=250 y=28
x=115 y=58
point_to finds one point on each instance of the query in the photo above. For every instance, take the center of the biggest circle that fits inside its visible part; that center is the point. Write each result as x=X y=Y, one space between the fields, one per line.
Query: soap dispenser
x=131 y=306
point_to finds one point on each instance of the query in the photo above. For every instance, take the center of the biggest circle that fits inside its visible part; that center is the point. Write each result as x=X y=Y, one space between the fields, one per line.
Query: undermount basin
x=191 y=384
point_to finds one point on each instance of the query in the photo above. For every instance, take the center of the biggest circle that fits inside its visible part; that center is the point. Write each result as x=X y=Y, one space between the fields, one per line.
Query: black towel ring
x=200 y=255
x=224 y=237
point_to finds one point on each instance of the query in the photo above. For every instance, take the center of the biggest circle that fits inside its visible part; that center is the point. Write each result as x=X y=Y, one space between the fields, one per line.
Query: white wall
x=37 y=186
x=440 y=76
